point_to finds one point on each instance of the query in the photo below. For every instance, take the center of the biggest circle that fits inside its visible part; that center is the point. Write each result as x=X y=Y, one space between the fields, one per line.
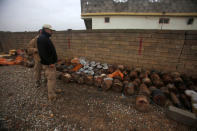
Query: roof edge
x=136 y=14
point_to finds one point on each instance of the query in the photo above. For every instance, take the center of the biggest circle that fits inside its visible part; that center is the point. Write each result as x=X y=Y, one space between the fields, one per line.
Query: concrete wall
x=160 y=50
x=142 y=22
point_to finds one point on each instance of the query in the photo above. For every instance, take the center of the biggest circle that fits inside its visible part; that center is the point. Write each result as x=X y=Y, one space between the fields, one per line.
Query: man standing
x=33 y=50
x=48 y=58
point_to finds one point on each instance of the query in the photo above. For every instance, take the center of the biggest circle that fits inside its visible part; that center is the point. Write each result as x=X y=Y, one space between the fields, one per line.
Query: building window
x=190 y=21
x=154 y=1
x=120 y=1
x=107 y=19
x=164 y=21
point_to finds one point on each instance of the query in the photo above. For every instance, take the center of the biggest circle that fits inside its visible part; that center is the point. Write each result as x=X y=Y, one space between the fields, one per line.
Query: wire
x=181 y=50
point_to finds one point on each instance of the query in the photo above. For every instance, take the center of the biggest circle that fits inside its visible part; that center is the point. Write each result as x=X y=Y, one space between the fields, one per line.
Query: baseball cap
x=47 y=26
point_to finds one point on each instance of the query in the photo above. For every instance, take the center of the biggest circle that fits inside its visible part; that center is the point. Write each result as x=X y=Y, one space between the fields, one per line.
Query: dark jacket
x=46 y=49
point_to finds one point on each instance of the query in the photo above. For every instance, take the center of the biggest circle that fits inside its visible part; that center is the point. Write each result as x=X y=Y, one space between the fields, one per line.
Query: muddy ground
x=79 y=107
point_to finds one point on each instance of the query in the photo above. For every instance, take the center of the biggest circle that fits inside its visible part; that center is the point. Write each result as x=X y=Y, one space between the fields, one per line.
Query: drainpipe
x=140 y=47
x=161 y=26
x=69 y=37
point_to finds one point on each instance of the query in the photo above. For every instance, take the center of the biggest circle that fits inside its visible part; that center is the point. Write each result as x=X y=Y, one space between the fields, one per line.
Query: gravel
x=79 y=107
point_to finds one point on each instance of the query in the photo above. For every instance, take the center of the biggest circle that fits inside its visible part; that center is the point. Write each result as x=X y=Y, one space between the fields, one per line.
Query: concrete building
x=140 y=14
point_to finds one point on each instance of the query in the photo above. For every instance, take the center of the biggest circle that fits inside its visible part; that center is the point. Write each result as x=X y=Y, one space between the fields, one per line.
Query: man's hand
x=52 y=65
x=35 y=50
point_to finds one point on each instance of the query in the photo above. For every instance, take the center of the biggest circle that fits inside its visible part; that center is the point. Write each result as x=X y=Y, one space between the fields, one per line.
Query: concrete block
x=182 y=116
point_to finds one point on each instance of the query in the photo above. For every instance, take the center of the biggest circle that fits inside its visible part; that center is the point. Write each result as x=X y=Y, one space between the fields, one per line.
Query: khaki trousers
x=37 y=70
x=50 y=73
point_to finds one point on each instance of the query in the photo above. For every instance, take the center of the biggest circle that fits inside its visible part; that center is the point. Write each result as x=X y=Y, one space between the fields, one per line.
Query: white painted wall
x=142 y=22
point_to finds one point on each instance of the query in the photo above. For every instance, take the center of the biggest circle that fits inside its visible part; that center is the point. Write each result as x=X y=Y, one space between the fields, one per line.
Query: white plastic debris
x=103 y=75
x=108 y=78
x=86 y=71
x=56 y=129
x=82 y=61
x=90 y=68
x=86 y=67
x=104 y=64
x=98 y=63
x=93 y=63
x=91 y=72
x=105 y=67
x=81 y=70
x=99 y=66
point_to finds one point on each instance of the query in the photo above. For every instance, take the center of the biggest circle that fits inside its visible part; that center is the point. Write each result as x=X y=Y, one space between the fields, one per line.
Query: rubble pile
x=162 y=88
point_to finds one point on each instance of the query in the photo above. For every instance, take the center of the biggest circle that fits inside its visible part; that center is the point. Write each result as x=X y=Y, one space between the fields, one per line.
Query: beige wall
x=142 y=22
x=160 y=49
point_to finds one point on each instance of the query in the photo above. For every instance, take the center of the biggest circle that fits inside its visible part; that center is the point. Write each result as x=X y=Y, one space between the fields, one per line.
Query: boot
x=52 y=96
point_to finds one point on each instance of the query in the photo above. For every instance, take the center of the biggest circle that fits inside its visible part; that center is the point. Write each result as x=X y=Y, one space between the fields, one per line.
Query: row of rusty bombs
x=162 y=88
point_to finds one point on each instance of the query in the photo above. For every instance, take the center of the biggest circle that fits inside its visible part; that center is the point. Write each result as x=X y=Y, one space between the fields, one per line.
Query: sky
x=30 y=15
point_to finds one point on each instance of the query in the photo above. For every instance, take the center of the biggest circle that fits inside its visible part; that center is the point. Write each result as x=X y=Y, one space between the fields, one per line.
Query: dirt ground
x=79 y=107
